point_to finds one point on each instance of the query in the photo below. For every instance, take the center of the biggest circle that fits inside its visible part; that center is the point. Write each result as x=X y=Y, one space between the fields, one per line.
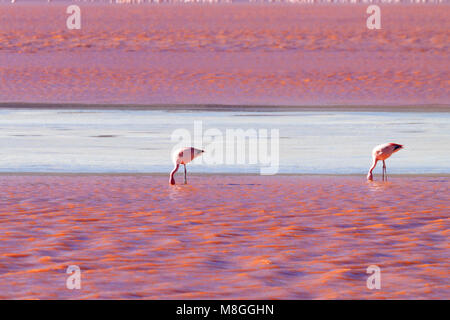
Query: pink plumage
x=381 y=153
x=183 y=156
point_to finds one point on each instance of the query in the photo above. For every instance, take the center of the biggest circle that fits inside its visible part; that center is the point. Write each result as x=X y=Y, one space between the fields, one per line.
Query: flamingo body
x=183 y=156
x=381 y=153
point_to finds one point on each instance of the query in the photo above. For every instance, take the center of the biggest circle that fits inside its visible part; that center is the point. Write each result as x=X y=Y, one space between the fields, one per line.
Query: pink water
x=247 y=237
x=225 y=54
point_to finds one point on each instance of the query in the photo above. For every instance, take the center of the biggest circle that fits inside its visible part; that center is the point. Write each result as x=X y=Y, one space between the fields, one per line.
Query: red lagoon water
x=243 y=54
x=289 y=237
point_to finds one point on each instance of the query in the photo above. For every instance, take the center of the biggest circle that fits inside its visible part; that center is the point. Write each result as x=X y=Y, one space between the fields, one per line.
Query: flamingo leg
x=185 y=179
x=384 y=171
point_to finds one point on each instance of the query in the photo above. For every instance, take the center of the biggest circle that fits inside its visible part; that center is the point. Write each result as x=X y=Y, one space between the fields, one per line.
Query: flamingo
x=382 y=152
x=183 y=156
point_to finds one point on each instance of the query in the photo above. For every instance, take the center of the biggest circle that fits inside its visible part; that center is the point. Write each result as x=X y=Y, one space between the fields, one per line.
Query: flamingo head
x=370 y=176
x=194 y=152
x=197 y=152
x=397 y=147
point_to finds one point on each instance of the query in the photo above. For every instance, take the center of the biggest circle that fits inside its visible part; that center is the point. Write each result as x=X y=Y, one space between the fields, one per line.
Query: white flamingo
x=183 y=156
x=381 y=153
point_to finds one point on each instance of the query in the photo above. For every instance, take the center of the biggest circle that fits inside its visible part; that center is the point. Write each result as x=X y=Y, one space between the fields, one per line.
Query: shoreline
x=160 y=174
x=225 y=107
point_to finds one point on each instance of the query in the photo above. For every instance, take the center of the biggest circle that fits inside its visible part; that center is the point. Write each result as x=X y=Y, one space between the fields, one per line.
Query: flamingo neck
x=369 y=175
x=172 y=179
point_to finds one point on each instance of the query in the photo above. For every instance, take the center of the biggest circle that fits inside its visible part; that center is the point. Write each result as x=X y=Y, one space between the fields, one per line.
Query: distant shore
x=226 y=107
